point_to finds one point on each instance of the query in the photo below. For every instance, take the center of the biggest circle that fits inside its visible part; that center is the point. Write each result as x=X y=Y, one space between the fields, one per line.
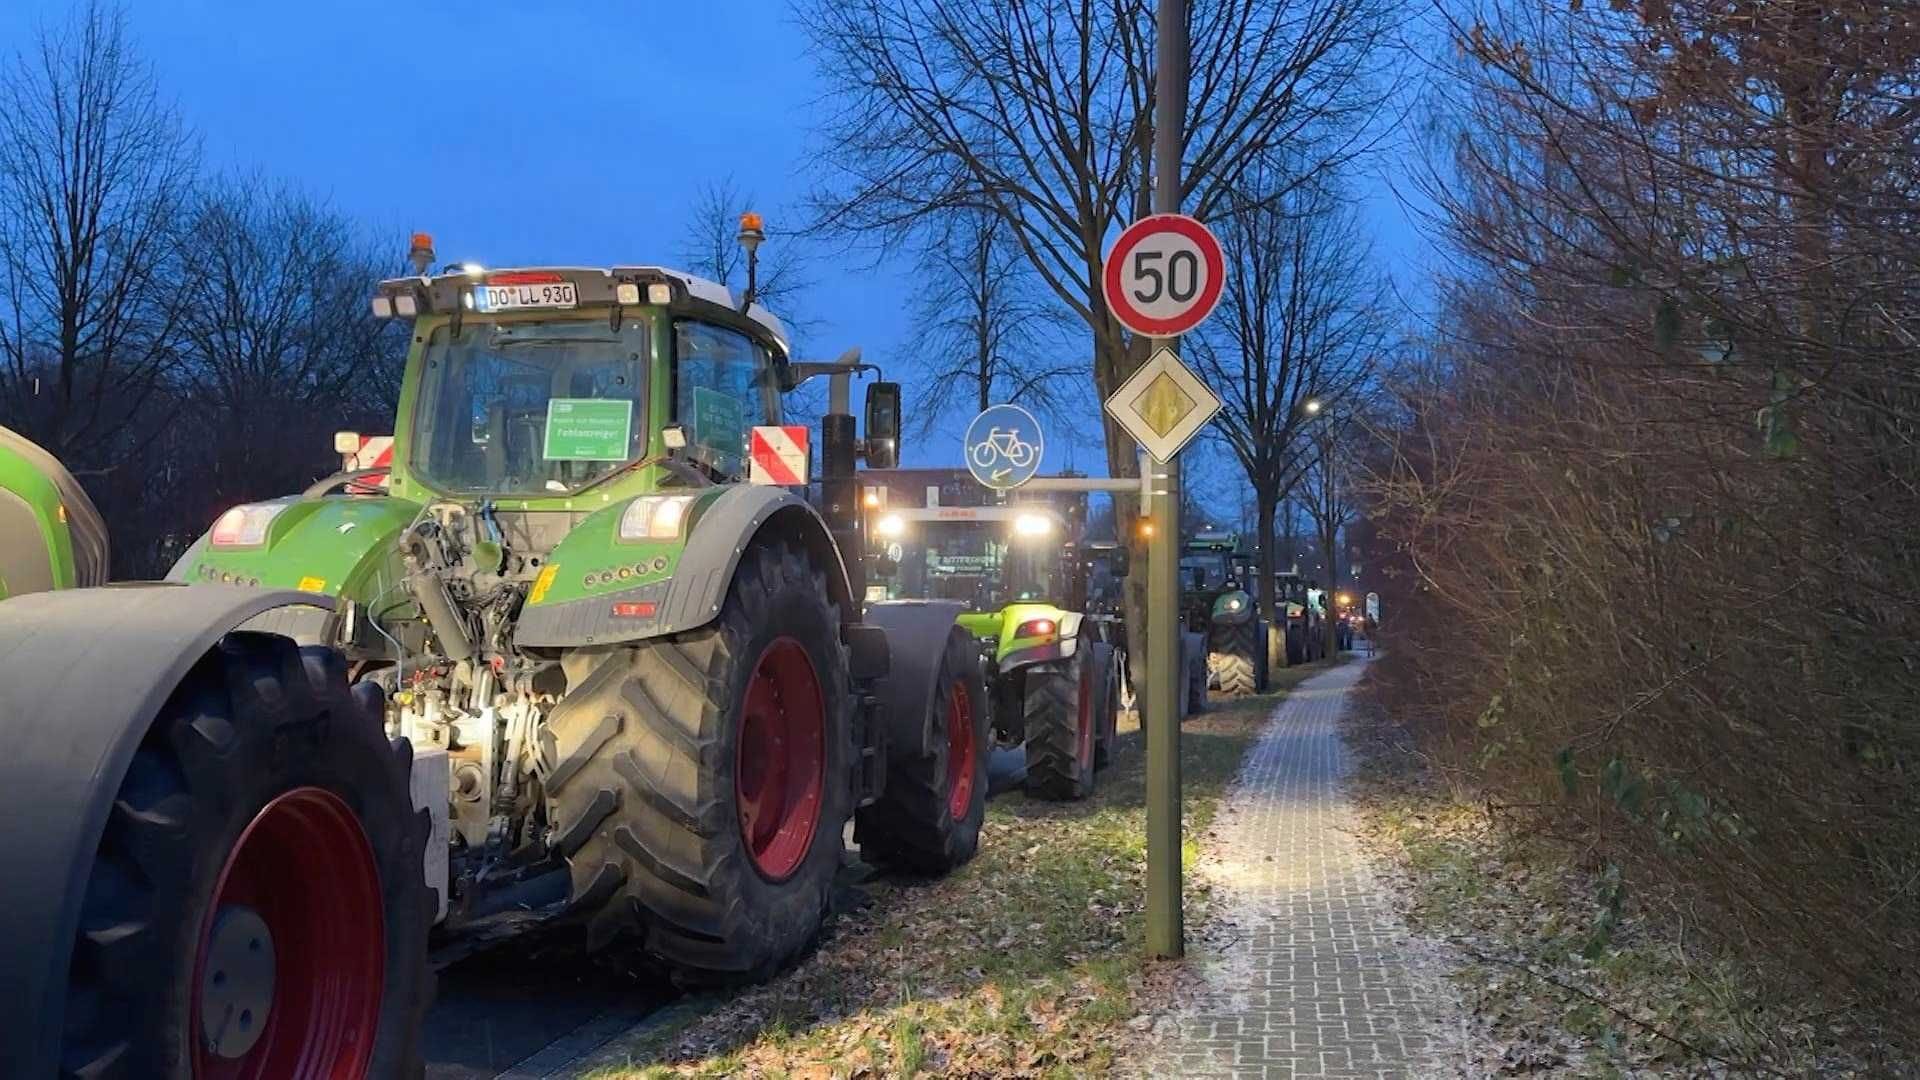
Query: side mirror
x=883 y=425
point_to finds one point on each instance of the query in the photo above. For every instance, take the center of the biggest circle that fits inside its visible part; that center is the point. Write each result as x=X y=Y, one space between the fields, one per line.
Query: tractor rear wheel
x=700 y=784
x=1058 y=707
x=257 y=907
x=928 y=820
x=1231 y=649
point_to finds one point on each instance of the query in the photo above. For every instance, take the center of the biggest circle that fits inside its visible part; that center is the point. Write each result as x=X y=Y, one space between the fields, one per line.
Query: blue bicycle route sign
x=1004 y=447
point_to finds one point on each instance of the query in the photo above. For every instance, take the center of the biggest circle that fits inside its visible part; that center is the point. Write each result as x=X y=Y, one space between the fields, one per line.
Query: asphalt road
x=500 y=1016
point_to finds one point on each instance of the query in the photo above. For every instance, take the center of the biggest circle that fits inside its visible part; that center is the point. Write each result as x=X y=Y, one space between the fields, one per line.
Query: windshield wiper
x=556 y=341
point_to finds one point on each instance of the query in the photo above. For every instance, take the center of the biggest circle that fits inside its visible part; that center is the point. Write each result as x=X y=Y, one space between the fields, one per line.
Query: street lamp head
x=1313 y=405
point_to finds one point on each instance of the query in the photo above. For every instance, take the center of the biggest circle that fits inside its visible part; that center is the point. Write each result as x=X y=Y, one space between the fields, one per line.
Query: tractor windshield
x=530 y=408
x=977 y=563
x=1205 y=570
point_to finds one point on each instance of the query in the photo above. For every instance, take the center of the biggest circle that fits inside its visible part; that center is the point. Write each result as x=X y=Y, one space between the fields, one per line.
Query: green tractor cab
x=1054 y=667
x=1215 y=601
x=51 y=537
x=557 y=664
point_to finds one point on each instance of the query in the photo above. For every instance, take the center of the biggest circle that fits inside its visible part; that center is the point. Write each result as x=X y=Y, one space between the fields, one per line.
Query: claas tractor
x=51 y=537
x=1215 y=601
x=558 y=667
x=1053 y=665
x=1305 y=617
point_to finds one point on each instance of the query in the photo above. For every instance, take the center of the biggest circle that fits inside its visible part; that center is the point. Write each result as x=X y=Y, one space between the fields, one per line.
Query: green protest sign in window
x=588 y=429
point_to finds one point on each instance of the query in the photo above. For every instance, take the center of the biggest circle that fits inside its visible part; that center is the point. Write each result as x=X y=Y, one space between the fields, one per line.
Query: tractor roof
x=595 y=286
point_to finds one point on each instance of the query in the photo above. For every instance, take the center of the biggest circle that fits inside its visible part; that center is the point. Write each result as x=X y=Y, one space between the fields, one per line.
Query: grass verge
x=1026 y=962
x=1562 y=969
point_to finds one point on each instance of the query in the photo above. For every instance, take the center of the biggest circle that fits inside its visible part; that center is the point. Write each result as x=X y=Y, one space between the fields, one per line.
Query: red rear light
x=642 y=609
x=524 y=277
x=1035 y=628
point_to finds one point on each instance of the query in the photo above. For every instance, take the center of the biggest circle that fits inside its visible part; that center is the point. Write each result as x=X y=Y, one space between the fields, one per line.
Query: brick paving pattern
x=1308 y=971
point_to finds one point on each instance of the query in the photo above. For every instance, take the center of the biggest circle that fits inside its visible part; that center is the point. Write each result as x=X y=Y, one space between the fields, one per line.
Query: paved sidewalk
x=1307 y=971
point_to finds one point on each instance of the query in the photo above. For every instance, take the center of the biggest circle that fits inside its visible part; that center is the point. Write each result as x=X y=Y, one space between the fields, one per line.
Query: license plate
x=559 y=294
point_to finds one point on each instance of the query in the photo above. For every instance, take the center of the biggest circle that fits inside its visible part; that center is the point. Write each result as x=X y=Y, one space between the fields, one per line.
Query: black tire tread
x=1051 y=705
x=1231 y=647
x=667 y=869
x=910 y=825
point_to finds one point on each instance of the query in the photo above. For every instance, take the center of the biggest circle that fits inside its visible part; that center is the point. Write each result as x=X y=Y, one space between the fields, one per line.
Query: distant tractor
x=51 y=537
x=1215 y=600
x=558 y=664
x=1053 y=662
x=1305 y=633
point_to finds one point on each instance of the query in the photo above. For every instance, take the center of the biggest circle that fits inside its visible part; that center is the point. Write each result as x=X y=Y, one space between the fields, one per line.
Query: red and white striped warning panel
x=375 y=452
x=779 y=455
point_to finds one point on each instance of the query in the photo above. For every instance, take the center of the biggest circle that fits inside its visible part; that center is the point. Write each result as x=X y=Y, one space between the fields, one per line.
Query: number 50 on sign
x=1164 y=275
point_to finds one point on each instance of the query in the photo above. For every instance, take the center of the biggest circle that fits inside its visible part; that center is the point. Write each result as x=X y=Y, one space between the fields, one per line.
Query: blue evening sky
x=548 y=132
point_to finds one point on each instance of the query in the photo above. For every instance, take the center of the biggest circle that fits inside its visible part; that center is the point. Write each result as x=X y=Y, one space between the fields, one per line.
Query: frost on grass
x=1026 y=962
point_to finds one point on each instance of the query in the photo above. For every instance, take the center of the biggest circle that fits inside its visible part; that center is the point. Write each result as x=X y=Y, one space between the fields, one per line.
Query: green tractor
x=1054 y=661
x=51 y=537
x=560 y=666
x=1214 y=600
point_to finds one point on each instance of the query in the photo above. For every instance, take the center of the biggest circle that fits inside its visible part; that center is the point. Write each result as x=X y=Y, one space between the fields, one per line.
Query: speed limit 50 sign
x=1164 y=275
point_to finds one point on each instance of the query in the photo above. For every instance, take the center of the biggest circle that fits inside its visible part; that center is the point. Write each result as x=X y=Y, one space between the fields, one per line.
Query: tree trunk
x=1328 y=538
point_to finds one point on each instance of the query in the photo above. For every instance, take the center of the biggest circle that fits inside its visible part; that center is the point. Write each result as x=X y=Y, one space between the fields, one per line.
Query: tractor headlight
x=1032 y=525
x=1234 y=603
x=890 y=525
x=655 y=517
x=245 y=526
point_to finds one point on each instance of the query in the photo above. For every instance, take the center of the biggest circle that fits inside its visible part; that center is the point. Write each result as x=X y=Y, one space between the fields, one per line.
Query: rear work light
x=245 y=526
x=382 y=307
x=1036 y=628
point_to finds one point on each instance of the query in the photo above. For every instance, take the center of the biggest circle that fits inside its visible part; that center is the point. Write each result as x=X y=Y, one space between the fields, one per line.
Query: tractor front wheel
x=257 y=907
x=928 y=820
x=1059 y=711
x=701 y=783
x=1231 y=648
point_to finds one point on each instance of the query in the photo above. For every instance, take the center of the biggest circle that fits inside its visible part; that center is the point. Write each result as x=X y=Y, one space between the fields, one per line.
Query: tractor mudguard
x=1017 y=651
x=83 y=673
x=327 y=545
x=585 y=603
x=917 y=633
x=73 y=534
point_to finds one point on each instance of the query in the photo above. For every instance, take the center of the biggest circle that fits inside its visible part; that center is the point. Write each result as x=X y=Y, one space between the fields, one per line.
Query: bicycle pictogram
x=1004 y=447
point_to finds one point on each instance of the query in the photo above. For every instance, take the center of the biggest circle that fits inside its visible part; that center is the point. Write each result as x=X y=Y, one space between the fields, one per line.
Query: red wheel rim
x=1085 y=748
x=780 y=762
x=961 y=766
x=304 y=870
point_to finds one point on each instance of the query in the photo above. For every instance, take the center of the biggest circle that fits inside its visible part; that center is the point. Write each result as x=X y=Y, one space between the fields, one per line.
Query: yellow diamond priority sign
x=1163 y=405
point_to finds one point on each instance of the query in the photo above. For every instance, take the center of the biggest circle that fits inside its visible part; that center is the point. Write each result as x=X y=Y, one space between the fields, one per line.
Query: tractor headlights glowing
x=655 y=517
x=890 y=526
x=1234 y=603
x=1035 y=628
x=382 y=307
x=406 y=306
x=1032 y=525
x=245 y=526
x=626 y=294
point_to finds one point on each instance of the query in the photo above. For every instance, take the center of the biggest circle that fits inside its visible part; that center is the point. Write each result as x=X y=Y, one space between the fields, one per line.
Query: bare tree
x=279 y=347
x=982 y=327
x=1329 y=496
x=1303 y=316
x=1040 y=112
x=94 y=171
